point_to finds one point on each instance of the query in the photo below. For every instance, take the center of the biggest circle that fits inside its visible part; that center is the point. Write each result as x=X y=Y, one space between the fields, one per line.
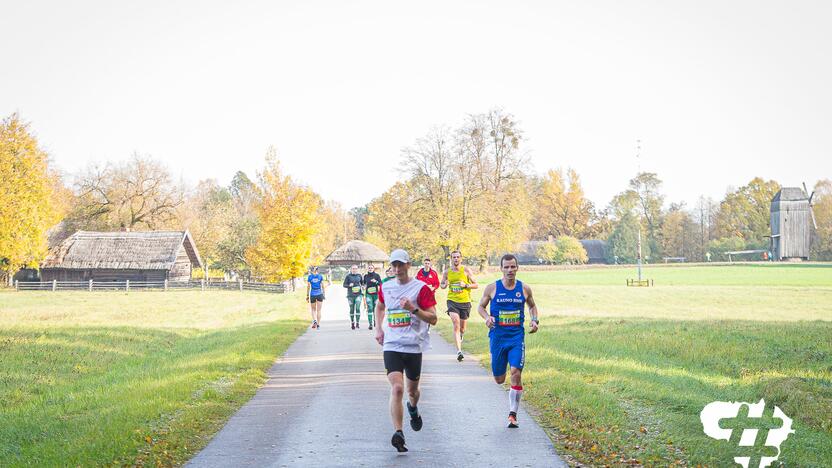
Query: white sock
x=514 y=396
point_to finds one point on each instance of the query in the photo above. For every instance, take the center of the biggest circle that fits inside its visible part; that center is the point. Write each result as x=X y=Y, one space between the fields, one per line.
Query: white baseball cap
x=399 y=255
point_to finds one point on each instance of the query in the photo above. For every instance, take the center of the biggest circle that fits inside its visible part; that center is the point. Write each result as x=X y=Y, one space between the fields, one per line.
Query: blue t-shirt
x=507 y=308
x=317 y=283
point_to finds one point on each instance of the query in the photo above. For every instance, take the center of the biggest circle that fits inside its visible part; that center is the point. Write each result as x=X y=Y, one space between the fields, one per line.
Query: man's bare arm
x=380 y=308
x=486 y=298
x=533 y=312
x=428 y=315
x=472 y=283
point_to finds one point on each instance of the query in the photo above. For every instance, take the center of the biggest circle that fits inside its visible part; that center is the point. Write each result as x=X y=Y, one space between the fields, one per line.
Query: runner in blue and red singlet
x=507 y=299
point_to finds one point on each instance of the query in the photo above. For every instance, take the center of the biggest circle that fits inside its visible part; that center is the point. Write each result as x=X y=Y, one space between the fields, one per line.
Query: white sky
x=717 y=91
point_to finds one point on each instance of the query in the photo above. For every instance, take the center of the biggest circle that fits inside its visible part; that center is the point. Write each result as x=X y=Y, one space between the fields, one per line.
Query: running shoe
x=398 y=441
x=352 y=326
x=357 y=326
x=459 y=356
x=512 y=420
x=314 y=324
x=415 y=421
x=371 y=327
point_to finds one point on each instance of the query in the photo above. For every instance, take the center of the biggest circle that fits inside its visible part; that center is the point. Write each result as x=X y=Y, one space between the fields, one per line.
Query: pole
x=639 y=254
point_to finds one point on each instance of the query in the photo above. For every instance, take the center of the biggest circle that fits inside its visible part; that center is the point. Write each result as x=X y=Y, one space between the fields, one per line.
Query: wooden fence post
x=127 y=286
x=90 y=285
x=54 y=285
x=241 y=285
x=166 y=284
x=202 y=282
x=17 y=285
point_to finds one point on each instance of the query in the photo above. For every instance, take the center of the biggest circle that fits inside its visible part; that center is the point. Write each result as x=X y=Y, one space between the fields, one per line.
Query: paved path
x=326 y=404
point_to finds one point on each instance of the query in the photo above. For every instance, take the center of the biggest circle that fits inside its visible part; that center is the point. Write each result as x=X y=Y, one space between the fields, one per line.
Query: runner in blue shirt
x=507 y=299
x=315 y=296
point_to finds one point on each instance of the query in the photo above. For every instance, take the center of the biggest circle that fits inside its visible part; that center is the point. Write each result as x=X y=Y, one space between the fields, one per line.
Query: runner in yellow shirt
x=461 y=282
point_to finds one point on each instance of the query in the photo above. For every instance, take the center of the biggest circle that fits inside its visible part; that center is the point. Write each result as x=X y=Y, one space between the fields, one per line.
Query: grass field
x=619 y=375
x=131 y=379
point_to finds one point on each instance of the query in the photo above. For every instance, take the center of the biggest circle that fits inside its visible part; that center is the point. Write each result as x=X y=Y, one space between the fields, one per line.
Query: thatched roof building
x=356 y=252
x=119 y=256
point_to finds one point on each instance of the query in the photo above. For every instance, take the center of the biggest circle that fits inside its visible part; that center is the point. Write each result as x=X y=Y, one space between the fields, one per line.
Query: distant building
x=527 y=255
x=791 y=224
x=595 y=250
x=119 y=256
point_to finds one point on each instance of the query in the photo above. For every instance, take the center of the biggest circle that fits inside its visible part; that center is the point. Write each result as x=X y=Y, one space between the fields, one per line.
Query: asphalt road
x=326 y=404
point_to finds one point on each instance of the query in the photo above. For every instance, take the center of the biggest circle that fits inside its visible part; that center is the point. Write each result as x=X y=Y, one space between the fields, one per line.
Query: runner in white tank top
x=406 y=307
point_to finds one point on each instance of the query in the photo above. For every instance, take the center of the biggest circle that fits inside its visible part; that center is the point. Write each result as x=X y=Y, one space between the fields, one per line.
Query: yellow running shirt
x=456 y=281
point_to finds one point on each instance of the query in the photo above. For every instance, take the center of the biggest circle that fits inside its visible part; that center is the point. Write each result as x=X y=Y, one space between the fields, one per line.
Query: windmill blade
x=812 y=213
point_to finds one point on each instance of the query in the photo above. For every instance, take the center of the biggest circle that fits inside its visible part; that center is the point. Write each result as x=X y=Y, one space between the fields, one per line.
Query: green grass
x=131 y=379
x=619 y=375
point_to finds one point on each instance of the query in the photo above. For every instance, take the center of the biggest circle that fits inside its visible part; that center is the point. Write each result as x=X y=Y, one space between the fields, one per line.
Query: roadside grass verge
x=131 y=379
x=619 y=375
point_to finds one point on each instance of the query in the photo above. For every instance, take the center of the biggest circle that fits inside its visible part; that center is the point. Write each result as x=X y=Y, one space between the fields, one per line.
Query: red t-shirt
x=431 y=278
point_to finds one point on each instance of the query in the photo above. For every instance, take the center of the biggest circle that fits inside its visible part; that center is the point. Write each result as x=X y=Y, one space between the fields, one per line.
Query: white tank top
x=403 y=331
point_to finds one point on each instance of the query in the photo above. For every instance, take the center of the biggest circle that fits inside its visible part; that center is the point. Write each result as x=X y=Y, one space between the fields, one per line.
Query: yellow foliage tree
x=28 y=190
x=561 y=208
x=288 y=216
x=336 y=227
x=822 y=247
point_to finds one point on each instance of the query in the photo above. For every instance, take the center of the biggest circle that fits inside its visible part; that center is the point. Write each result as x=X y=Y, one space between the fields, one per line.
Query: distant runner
x=405 y=309
x=315 y=296
x=428 y=275
x=389 y=274
x=507 y=299
x=372 y=285
x=461 y=282
x=353 y=283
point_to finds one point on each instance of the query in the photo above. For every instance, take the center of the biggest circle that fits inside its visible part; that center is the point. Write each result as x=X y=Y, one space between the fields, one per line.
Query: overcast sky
x=719 y=92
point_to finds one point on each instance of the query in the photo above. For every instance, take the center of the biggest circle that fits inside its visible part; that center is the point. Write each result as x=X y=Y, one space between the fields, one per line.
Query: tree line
x=468 y=187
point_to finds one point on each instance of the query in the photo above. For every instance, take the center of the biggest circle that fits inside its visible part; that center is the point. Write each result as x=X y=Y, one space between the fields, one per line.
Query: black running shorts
x=461 y=308
x=316 y=298
x=409 y=363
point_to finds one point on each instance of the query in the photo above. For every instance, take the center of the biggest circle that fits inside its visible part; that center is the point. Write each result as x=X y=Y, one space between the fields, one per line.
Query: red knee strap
x=517 y=387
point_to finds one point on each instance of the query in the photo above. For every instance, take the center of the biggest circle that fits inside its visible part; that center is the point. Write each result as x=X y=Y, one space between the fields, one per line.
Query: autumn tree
x=563 y=250
x=822 y=201
x=680 y=234
x=394 y=220
x=288 y=223
x=137 y=194
x=208 y=214
x=561 y=209
x=465 y=189
x=30 y=197
x=336 y=226
x=746 y=212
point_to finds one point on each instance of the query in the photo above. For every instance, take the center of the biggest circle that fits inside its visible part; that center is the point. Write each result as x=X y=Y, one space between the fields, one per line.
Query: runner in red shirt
x=428 y=275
